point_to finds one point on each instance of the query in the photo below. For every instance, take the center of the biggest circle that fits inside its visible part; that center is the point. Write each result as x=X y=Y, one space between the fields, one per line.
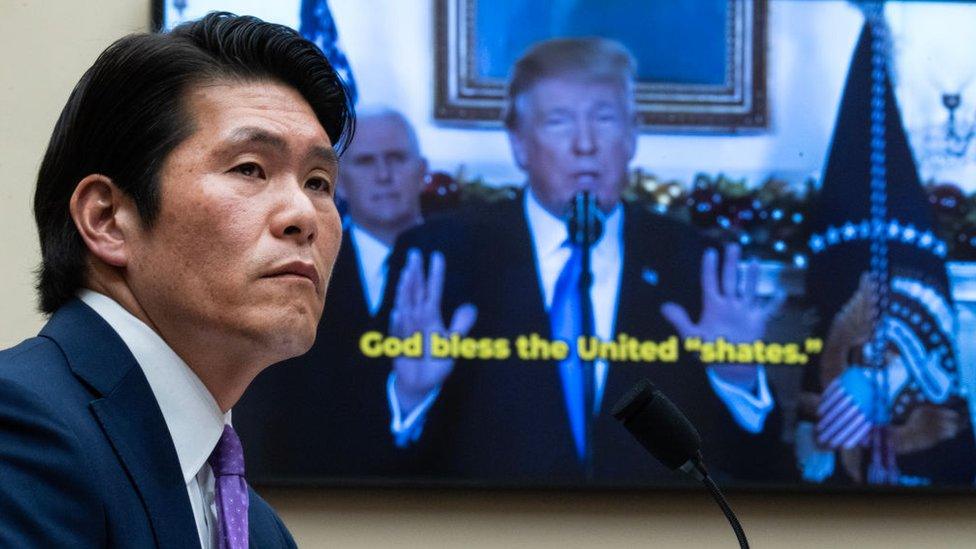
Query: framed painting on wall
x=701 y=64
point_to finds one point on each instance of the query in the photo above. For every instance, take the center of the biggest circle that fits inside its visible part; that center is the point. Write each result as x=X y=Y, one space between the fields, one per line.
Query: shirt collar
x=549 y=232
x=367 y=244
x=371 y=256
x=192 y=416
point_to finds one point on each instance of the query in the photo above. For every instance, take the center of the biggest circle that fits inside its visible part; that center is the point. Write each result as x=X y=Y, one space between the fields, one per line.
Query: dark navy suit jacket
x=86 y=459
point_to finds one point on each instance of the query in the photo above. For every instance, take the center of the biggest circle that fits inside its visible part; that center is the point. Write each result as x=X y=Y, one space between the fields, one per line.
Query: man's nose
x=584 y=142
x=383 y=171
x=295 y=216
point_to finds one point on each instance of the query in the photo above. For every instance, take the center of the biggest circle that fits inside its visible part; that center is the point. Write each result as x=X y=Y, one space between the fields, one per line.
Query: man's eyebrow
x=250 y=135
x=324 y=154
x=256 y=136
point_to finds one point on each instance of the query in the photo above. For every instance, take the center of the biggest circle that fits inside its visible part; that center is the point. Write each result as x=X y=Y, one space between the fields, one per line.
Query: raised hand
x=738 y=317
x=927 y=426
x=417 y=308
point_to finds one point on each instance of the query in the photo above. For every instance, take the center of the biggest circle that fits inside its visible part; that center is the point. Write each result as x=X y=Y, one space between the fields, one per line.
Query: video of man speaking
x=766 y=208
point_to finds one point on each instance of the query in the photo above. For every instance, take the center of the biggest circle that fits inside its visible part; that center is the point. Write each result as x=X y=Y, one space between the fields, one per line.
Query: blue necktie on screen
x=567 y=325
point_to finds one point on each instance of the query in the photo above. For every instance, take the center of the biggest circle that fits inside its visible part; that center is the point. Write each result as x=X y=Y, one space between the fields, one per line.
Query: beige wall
x=46 y=45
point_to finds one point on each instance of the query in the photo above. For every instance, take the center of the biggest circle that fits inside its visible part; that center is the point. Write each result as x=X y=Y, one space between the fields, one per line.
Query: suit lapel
x=141 y=440
x=130 y=418
x=539 y=390
x=519 y=290
x=639 y=299
x=349 y=262
x=347 y=291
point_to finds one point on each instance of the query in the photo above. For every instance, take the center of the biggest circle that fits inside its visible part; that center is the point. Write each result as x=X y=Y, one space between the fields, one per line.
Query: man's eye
x=318 y=184
x=249 y=169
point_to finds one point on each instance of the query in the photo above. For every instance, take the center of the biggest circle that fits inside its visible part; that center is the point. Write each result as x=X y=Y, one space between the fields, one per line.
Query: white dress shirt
x=549 y=236
x=371 y=256
x=549 y=233
x=192 y=416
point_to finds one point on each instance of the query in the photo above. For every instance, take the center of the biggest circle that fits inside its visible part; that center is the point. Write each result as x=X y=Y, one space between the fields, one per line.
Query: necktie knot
x=227 y=457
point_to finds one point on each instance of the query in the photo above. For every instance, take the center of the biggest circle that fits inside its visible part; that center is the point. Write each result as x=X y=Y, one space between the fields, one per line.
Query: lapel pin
x=649 y=275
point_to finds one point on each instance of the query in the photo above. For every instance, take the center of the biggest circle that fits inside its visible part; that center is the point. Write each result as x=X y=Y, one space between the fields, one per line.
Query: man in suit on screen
x=510 y=268
x=188 y=229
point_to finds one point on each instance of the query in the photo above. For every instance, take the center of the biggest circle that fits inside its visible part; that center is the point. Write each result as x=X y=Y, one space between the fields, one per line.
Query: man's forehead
x=380 y=133
x=575 y=91
x=261 y=113
x=577 y=85
x=232 y=102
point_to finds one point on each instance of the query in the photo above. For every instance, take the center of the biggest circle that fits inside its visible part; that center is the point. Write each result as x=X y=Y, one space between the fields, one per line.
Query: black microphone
x=667 y=434
x=585 y=220
x=659 y=426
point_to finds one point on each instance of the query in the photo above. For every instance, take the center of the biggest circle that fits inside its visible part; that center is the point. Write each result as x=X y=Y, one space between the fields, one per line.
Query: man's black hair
x=128 y=112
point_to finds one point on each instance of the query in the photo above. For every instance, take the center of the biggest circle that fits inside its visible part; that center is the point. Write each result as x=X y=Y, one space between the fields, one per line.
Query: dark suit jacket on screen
x=86 y=459
x=505 y=421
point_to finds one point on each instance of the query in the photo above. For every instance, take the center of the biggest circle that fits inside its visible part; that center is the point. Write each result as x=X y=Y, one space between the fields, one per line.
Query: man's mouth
x=586 y=180
x=299 y=270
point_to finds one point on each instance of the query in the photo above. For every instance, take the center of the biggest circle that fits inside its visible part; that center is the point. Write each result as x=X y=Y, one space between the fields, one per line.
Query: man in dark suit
x=334 y=388
x=188 y=231
x=501 y=271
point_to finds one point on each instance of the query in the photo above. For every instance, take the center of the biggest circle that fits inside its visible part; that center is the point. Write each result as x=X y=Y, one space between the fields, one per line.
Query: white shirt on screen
x=548 y=234
x=371 y=256
x=192 y=416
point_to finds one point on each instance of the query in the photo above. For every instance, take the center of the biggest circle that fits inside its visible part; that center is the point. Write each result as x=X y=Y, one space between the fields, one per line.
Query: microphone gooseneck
x=669 y=436
x=740 y=534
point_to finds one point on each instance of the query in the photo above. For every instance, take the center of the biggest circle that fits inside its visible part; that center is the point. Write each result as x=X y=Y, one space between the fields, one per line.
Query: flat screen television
x=784 y=201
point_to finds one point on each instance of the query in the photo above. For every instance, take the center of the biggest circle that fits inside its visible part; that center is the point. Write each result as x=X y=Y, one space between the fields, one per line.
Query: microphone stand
x=586 y=231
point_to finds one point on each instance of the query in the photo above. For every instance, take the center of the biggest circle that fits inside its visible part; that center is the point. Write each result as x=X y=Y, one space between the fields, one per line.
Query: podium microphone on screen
x=585 y=220
x=668 y=435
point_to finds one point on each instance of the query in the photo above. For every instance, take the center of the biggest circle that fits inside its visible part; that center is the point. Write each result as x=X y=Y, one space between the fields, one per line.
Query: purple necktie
x=227 y=461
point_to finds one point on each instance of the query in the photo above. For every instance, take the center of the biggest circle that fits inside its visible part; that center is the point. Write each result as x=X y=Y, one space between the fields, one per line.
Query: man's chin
x=285 y=344
x=289 y=332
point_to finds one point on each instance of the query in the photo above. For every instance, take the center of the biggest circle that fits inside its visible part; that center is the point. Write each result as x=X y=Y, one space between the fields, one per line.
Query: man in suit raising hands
x=509 y=269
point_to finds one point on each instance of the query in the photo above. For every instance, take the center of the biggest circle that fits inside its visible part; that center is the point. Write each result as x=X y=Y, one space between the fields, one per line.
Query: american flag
x=843 y=411
x=317 y=25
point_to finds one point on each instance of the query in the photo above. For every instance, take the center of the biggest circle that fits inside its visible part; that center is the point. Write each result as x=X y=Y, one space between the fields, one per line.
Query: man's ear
x=634 y=132
x=518 y=147
x=105 y=217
